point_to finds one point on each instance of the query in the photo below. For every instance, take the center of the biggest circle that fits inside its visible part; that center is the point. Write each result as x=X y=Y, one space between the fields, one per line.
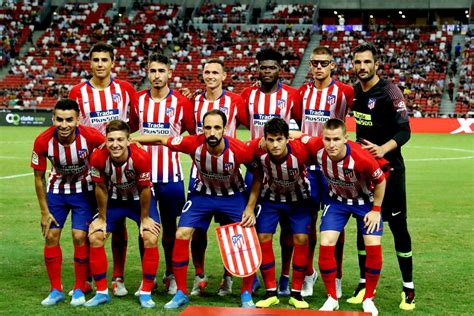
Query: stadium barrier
x=433 y=125
x=25 y=118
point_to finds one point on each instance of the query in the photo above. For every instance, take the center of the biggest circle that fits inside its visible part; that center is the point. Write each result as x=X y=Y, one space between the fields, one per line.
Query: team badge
x=82 y=153
x=169 y=112
x=116 y=97
x=129 y=174
x=371 y=103
x=224 y=109
x=228 y=166
x=293 y=171
x=331 y=100
x=281 y=104
x=239 y=248
x=348 y=173
x=34 y=158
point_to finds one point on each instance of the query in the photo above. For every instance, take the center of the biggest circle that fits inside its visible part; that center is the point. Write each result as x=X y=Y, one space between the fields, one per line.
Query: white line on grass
x=440 y=159
x=16 y=176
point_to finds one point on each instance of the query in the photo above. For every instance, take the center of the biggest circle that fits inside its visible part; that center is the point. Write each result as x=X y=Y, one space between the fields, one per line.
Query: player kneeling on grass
x=68 y=146
x=218 y=190
x=356 y=187
x=284 y=193
x=121 y=172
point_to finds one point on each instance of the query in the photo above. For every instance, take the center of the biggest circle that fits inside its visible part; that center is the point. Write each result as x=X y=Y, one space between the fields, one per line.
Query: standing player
x=215 y=97
x=382 y=127
x=68 y=146
x=271 y=99
x=356 y=187
x=102 y=99
x=321 y=99
x=218 y=190
x=121 y=173
x=162 y=111
x=284 y=196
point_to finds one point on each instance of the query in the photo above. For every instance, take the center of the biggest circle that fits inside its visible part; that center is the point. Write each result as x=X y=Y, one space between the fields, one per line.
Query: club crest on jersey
x=238 y=241
x=169 y=112
x=371 y=103
x=281 y=104
x=116 y=97
x=82 y=153
x=348 y=173
x=228 y=166
x=224 y=109
x=293 y=171
x=331 y=100
x=129 y=174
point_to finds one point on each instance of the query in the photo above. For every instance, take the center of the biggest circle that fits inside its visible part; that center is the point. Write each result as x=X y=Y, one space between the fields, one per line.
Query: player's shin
x=299 y=266
x=98 y=265
x=180 y=263
x=53 y=259
x=327 y=266
x=149 y=267
x=372 y=269
x=268 y=265
x=119 y=250
x=198 y=249
x=81 y=266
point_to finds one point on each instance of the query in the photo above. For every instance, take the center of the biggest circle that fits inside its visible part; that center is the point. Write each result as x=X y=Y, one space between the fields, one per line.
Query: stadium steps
x=303 y=69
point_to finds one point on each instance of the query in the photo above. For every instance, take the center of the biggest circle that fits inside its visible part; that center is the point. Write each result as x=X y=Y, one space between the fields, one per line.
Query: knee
x=96 y=240
x=300 y=239
x=184 y=234
x=52 y=239
x=79 y=237
x=149 y=240
x=265 y=237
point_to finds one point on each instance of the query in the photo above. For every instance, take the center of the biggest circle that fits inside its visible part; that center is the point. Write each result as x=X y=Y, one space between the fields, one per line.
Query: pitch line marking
x=441 y=148
x=16 y=176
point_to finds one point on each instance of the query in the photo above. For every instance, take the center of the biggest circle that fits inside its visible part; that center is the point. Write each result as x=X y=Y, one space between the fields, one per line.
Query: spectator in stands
x=451 y=90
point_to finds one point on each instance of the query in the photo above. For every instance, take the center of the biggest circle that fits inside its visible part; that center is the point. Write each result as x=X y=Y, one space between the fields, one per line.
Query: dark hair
x=215 y=61
x=100 y=47
x=159 y=58
x=67 y=104
x=269 y=54
x=276 y=126
x=117 y=125
x=216 y=112
x=322 y=50
x=335 y=123
x=364 y=47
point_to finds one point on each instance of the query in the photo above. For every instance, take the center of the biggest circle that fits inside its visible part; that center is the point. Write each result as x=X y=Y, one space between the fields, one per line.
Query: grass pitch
x=440 y=186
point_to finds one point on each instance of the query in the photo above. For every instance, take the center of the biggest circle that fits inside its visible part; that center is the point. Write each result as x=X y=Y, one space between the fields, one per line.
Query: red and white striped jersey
x=229 y=103
x=70 y=170
x=262 y=107
x=125 y=180
x=170 y=117
x=215 y=175
x=285 y=181
x=351 y=180
x=98 y=107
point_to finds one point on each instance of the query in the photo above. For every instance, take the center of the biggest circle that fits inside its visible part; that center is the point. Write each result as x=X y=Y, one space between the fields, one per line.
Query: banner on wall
x=25 y=118
x=433 y=125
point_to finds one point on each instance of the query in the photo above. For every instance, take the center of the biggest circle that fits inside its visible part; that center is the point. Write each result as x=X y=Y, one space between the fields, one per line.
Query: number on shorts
x=186 y=206
x=325 y=209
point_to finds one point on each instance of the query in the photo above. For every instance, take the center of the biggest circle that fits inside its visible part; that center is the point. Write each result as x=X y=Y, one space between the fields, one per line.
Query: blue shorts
x=298 y=214
x=170 y=198
x=199 y=209
x=336 y=214
x=118 y=210
x=81 y=204
x=319 y=188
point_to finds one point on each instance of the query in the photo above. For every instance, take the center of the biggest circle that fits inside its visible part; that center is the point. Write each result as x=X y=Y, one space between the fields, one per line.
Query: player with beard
x=382 y=127
x=321 y=99
x=219 y=190
x=269 y=99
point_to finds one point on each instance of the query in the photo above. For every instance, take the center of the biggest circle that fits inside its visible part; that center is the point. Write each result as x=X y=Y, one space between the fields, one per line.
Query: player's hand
x=248 y=218
x=98 y=225
x=262 y=144
x=150 y=225
x=101 y=146
x=372 y=221
x=46 y=221
x=375 y=150
x=133 y=141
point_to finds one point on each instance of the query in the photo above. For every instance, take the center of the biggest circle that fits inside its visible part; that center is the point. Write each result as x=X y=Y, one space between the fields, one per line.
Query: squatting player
x=162 y=111
x=68 y=146
x=121 y=172
x=219 y=190
x=382 y=127
x=102 y=99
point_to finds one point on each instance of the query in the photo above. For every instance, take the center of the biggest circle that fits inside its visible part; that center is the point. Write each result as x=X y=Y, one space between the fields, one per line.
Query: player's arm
x=150 y=139
x=146 y=222
x=248 y=217
x=372 y=219
x=40 y=187
x=297 y=109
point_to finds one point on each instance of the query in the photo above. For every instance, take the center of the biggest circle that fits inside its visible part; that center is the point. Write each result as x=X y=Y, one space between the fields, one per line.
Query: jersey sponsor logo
x=331 y=99
x=116 y=97
x=157 y=128
x=95 y=172
x=215 y=176
x=363 y=118
x=281 y=104
x=129 y=174
x=70 y=169
x=261 y=119
x=228 y=166
x=318 y=116
x=371 y=103
x=224 y=109
x=99 y=117
x=82 y=153
x=169 y=112
x=34 y=158
x=239 y=249
x=177 y=140
x=144 y=176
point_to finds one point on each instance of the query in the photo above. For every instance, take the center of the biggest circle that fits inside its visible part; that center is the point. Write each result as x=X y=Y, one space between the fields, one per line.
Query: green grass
x=440 y=199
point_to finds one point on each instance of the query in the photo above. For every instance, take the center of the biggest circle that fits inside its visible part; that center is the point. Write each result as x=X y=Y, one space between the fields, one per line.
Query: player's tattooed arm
x=46 y=217
x=146 y=222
